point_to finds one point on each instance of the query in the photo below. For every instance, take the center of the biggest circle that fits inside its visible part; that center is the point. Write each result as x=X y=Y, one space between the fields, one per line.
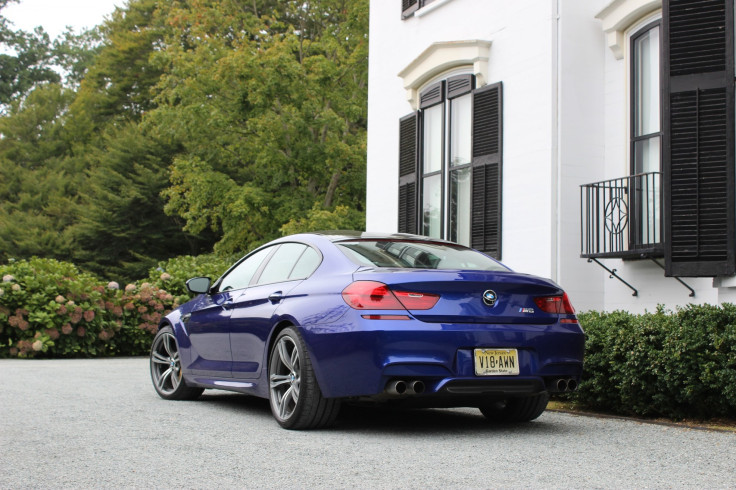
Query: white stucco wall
x=522 y=37
x=565 y=123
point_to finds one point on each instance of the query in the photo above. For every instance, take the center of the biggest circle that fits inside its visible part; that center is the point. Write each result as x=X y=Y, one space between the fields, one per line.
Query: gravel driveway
x=98 y=423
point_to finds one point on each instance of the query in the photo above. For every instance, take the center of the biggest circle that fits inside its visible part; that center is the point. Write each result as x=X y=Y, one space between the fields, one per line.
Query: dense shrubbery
x=673 y=364
x=51 y=309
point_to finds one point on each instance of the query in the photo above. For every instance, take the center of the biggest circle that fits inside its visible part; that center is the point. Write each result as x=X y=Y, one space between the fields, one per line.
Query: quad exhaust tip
x=399 y=387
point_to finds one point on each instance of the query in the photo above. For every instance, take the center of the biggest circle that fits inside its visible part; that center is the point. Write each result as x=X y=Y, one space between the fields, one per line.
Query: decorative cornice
x=619 y=15
x=444 y=56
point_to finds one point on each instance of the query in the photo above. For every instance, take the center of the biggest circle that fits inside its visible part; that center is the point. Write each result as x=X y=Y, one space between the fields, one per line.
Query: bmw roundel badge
x=489 y=297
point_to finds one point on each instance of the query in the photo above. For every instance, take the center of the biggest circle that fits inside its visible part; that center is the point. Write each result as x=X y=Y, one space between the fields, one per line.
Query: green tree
x=121 y=229
x=271 y=111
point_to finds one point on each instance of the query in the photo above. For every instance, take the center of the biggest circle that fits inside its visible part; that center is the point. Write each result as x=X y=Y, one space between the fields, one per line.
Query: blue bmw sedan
x=312 y=321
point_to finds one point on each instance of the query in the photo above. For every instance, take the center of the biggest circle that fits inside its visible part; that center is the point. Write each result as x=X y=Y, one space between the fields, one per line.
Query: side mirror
x=199 y=285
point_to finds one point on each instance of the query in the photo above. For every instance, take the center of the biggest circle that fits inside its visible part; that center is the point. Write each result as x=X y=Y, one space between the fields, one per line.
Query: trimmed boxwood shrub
x=674 y=364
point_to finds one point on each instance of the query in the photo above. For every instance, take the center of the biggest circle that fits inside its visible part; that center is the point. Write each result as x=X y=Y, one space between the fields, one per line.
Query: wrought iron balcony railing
x=622 y=218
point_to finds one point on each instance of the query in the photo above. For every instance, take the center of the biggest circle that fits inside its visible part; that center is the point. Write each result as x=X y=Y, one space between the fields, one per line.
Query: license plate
x=496 y=362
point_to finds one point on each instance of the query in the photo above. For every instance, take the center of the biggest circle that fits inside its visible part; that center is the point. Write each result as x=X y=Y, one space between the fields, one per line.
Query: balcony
x=622 y=218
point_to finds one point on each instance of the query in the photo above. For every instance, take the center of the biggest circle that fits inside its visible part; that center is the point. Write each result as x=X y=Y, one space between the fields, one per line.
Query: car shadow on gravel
x=440 y=422
x=377 y=419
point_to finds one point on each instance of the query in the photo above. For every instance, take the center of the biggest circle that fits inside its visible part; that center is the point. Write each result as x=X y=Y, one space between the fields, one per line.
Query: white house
x=563 y=137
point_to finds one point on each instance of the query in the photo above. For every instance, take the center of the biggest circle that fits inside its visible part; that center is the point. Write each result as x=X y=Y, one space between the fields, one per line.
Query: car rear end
x=435 y=324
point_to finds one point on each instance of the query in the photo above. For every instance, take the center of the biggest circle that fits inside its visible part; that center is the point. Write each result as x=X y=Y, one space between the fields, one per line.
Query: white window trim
x=442 y=57
x=430 y=7
x=618 y=18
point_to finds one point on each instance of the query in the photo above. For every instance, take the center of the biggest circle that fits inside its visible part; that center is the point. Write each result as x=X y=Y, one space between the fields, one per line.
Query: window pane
x=281 y=264
x=460 y=129
x=432 y=207
x=308 y=262
x=240 y=277
x=646 y=155
x=647 y=196
x=460 y=206
x=432 y=139
x=646 y=83
x=408 y=254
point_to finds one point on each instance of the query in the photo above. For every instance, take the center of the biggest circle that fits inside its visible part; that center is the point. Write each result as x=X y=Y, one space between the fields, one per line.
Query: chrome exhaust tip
x=417 y=387
x=396 y=388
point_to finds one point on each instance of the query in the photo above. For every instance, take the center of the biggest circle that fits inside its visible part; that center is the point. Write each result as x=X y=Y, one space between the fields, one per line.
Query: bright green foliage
x=270 y=110
x=230 y=121
x=680 y=364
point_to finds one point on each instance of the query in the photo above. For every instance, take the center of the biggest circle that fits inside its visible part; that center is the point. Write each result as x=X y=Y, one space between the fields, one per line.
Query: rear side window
x=417 y=255
x=279 y=267
x=306 y=264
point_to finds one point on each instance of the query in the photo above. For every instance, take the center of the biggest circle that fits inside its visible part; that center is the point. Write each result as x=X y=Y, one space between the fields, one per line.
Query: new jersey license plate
x=496 y=362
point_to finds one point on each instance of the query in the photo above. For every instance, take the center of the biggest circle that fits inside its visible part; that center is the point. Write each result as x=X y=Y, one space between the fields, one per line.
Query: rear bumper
x=361 y=358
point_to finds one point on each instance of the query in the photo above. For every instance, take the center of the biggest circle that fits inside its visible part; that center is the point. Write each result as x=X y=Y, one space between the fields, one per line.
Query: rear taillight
x=417 y=301
x=373 y=295
x=555 y=304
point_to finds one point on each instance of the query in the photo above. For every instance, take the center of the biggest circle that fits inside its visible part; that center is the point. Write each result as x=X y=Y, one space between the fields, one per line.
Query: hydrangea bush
x=51 y=309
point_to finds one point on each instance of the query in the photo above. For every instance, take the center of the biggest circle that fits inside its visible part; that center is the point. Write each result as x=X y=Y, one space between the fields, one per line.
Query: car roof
x=342 y=235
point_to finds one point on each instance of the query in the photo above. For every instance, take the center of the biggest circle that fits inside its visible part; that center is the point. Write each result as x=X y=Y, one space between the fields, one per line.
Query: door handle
x=275 y=297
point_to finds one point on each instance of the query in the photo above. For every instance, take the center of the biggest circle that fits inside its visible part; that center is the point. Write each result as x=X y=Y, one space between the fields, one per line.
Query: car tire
x=295 y=397
x=516 y=409
x=166 y=372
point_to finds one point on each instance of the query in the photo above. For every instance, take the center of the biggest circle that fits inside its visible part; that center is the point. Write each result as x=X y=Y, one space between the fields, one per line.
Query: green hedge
x=678 y=364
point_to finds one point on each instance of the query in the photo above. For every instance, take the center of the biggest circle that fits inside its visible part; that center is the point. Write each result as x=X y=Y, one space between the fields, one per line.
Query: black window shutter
x=408 y=7
x=408 y=173
x=698 y=145
x=487 y=152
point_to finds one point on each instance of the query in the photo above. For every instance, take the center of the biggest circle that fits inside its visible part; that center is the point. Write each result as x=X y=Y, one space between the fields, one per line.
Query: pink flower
x=66 y=329
x=13 y=351
x=81 y=331
x=8 y=278
x=89 y=315
x=129 y=306
x=37 y=345
x=113 y=285
x=117 y=311
x=15 y=287
x=52 y=333
x=60 y=299
x=129 y=288
x=62 y=310
x=23 y=325
x=165 y=276
x=142 y=309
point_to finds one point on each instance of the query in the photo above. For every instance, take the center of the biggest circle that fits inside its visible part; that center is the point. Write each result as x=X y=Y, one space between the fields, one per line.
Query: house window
x=646 y=137
x=408 y=7
x=450 y=162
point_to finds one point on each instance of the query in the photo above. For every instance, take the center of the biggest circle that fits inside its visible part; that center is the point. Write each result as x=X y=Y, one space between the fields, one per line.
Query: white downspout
x=556 y=155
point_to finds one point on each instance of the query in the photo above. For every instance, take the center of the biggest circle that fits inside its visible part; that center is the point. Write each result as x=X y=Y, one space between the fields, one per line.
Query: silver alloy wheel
x=285 y=377
x=165 y=364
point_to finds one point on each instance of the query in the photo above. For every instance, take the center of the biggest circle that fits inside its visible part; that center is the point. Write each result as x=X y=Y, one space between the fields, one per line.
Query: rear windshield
x=416 y=255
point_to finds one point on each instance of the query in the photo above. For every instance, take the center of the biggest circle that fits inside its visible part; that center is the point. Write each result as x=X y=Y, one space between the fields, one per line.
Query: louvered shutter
x=408 y=7
x=698 y=149
x=408 y=173
x=487 y=150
